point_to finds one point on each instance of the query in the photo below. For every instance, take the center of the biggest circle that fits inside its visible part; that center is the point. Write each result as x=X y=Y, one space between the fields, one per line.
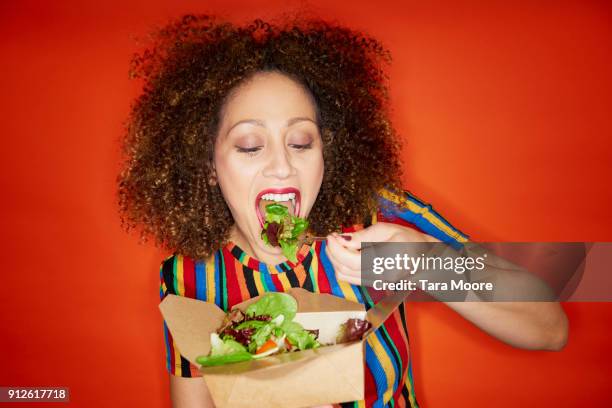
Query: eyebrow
x=261 y=123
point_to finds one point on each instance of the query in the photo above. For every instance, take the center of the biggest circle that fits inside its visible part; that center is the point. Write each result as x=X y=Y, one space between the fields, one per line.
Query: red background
x=505 y=110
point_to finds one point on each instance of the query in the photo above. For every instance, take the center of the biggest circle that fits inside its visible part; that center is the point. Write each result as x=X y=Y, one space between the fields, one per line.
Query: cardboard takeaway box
x=329 y=374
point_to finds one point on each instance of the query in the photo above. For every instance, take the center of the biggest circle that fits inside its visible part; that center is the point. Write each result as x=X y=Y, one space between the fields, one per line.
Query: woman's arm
x=520 y=323
x=186 y=389
x=189 y=393
x=530 y=325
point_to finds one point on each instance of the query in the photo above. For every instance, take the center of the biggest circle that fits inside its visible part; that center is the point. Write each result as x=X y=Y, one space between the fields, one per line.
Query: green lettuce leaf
x=274 y=304
x=262 y=335
x=256 y=324
x=289 y=250
x=292 y=228
x=299 y=337
x=276 y=213
x=224 y=352
x=224 y=347
x=264 y=236
x=299 y=226
x=209 y=361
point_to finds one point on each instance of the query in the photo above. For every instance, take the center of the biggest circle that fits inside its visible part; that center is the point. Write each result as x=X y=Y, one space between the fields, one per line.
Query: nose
x=279 y=164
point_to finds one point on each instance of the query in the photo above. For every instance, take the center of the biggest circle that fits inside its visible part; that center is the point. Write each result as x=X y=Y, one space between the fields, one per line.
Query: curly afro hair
x=188 y=71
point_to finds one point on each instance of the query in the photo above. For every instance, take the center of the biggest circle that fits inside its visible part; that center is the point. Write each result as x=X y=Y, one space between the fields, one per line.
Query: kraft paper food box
x=329 y=374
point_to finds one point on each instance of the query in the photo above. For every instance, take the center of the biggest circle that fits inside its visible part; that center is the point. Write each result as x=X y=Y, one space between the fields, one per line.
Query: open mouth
x=289 y=197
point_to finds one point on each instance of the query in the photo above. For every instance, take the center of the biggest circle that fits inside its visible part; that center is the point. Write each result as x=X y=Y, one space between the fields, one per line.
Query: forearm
x=528 y=325
x=521 y=322
x=189 y=393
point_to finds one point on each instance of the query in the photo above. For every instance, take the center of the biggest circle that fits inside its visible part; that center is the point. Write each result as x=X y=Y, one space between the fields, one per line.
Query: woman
x=295 y=113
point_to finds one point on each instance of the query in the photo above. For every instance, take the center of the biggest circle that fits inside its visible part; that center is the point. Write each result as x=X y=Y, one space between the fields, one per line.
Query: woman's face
x=268 y=149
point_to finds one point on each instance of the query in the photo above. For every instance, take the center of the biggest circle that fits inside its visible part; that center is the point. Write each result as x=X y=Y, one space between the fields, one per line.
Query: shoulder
x=181 y=275
x=167 y=275
x=404 y=207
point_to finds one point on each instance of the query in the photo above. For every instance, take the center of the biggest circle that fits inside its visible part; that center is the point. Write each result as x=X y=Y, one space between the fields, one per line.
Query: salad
x=265 y=328
x=283 y=229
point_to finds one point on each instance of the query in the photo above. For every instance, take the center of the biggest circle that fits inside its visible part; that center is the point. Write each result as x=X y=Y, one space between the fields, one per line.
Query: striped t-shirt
x=230 y=276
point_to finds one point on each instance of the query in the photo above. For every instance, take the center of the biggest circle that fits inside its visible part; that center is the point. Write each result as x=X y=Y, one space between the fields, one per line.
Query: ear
x=212 y=178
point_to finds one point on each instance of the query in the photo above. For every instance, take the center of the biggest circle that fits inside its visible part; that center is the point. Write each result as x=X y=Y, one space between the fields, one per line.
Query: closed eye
x=301 y=146
x=250 y=150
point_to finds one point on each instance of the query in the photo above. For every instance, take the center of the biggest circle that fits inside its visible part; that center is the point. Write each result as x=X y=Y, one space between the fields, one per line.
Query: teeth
x=279 y=197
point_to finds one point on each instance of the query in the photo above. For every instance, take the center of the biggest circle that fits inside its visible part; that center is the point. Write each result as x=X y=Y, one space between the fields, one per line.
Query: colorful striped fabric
x=231 y=276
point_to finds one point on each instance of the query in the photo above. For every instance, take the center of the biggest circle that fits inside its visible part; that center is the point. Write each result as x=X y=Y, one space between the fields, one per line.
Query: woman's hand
x=344 y=253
